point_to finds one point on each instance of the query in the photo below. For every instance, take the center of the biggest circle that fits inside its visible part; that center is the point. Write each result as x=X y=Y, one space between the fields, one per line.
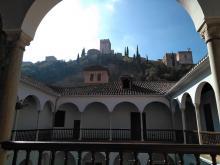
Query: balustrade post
x=184 y=124
x=121 y=158
x=198 y=122
x=10 y=75
x=93 y=158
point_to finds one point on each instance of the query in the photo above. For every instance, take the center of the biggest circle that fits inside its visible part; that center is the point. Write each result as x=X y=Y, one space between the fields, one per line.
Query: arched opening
x=157 y=123
x=95 y=122
x=158 y=116
x=190 y=120
x=177 y=123
x=60 y=158
x=67 y=116
x=46 y=116
x=28 y=113
x=208 y=109
x=128 y=159
x=130 y=126
x=99 y=159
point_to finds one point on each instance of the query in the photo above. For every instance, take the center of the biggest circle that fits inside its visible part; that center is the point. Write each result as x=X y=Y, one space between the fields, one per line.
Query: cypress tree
x=127 y=51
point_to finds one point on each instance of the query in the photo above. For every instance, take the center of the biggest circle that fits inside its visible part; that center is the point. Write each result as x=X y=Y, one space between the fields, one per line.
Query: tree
x=77 y=60
x=83 y=54
x=127 y=51
x=138 y=57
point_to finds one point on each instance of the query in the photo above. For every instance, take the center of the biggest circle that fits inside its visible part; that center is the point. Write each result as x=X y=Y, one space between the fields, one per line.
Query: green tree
x=138 y=57
x=77 y=60
x=83 y=54
x=127 y=51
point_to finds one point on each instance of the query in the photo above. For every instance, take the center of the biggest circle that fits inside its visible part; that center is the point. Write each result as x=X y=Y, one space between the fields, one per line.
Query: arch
x=158 y=116
x=189 y=112
x=28 y=113
x=208 y=108
x=60 y=157
x=71 y=113
x=128 y=159
x=99 y=158
x=183 y=100
x=46 y=116
x=122 y=111
x=177 y=115
x=198 y=92
x=94 y=111
x=35 y=15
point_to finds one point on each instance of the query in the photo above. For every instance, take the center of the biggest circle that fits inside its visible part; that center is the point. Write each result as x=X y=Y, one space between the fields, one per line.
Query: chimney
x=126 y=81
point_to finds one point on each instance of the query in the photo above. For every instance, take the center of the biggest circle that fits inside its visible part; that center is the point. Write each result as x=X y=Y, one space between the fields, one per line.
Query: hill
x=70 y=73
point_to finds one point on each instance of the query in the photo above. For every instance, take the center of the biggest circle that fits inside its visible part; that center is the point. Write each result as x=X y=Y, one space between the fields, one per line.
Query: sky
x=156 y=26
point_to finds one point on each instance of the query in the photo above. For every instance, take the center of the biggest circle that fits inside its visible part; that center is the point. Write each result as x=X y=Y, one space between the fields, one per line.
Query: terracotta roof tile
x=115 y=88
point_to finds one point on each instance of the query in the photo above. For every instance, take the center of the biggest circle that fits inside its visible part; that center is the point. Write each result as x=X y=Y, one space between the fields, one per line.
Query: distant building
x=105 y=46
x=50 y=58
x=179 y=58
x=96 y=74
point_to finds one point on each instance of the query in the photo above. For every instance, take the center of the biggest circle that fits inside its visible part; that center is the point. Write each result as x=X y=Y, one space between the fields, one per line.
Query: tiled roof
x=115 y=88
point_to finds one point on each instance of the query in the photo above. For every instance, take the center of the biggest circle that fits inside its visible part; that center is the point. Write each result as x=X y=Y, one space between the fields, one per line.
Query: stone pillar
x=210 y=31
x=9 y=80
x=184 y=124
x=198 y=122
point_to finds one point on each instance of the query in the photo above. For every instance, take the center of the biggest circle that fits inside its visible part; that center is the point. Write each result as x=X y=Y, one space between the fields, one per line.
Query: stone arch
x=94 y=111
x=128 y=159
x=99 y=158
x=183 y=100
x=72 y=113
x=28 y=115
x=207 y=107
x=35 y=15
x=158 y=116
x=177 y=115
x=60 y=157
x=190 y=114
x=46 y=116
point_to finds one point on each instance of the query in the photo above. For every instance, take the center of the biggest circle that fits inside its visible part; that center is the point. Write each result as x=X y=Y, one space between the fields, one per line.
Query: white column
x=210 y=31
x=198 y=122
x=9 y=83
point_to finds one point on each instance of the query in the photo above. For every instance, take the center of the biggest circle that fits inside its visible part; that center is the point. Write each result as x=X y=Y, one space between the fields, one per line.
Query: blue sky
x=156 y=26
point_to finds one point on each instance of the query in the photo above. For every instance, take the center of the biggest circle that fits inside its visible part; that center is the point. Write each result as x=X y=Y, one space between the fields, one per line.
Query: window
x=59 y=119
x=99 y=77
x=91 y=77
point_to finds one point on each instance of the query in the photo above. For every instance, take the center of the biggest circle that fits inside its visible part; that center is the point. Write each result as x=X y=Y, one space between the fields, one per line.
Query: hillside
x=70 y=73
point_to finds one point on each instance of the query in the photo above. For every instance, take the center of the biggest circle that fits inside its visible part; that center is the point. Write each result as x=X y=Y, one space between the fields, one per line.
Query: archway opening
x=130 y=126
x=99 y=159
x=190 y=120
x=208 y=109
x=96 y=122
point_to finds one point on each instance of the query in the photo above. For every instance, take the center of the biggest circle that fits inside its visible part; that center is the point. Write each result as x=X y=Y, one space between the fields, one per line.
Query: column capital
x=210 y=30
x=18 y=38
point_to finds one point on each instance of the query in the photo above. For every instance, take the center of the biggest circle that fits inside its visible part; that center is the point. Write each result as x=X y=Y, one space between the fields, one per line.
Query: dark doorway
x=144 y=124
x=135 y=126
x=76 y=129
x=208 y=117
